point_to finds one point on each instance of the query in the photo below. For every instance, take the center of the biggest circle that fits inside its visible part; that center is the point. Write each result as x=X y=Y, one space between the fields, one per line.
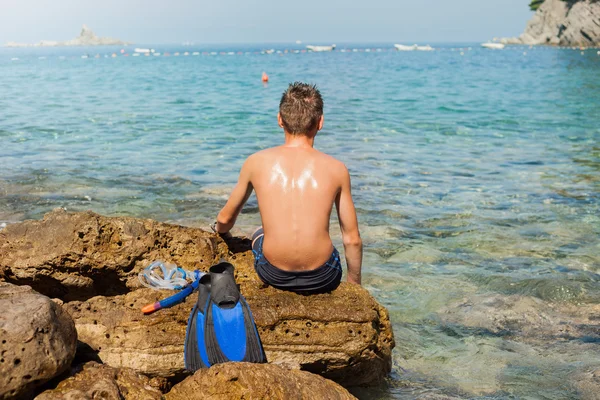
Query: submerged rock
x=255 y=381
x=587 y=384
x=526 y=318
x=564 y=23
x=37 y=341
x=80 y=255
x=96 y=381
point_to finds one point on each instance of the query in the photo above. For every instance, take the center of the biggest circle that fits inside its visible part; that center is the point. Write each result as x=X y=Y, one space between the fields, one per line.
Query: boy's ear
x=279 y=120
x=321 y=122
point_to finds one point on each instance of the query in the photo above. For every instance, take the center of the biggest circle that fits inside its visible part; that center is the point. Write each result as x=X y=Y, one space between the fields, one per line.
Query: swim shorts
x=320 y=280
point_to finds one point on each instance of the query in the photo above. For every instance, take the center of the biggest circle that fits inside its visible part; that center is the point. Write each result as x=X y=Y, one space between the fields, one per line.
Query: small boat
x=321 y=48
x=424 y=48
x=143 y=51
x=401 y=47
x=493 y=46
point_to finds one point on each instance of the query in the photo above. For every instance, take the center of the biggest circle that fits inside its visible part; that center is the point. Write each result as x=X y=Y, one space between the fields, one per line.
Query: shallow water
x=474 y=174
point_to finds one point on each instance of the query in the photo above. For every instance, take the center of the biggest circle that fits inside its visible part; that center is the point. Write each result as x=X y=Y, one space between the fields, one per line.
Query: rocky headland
x=86 y=38
x=70 y=283
x=563 y=23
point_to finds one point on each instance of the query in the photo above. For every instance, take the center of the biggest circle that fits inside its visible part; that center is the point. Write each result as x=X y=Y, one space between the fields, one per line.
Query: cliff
x=563 y=23
x=86 y=38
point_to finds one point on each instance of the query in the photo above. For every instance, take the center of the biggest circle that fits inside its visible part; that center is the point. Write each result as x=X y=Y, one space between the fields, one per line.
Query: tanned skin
x=296 y=187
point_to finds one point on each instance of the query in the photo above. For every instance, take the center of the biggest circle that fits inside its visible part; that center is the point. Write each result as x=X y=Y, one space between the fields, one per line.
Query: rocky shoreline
x=81 y=268
x=563 y=23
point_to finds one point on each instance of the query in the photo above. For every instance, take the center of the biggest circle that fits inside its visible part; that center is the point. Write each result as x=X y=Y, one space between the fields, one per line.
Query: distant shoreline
x=86 y=38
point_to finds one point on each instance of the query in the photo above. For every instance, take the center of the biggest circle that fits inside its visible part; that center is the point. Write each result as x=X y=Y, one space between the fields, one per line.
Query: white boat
x=493 y=46
x=401 y=47
x=425 y=48
x=143 y=51
x=321 y=48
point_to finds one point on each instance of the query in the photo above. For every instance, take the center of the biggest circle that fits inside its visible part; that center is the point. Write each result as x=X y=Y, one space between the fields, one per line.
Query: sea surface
x=476 y=176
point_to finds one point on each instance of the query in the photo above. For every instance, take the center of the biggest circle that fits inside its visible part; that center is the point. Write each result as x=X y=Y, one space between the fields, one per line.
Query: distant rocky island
x=86 y=38
x=562 y=23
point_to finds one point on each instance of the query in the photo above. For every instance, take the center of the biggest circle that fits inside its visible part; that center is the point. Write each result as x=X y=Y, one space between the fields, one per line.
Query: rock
x=96 y=381
x=88 y=38
x=557 y=22
x=345 y=336
x=588 y=384
x=417 y=254
x=255 y=381
x=85 y=38
x=80 y=255
x=525 y=318
x=38 y=341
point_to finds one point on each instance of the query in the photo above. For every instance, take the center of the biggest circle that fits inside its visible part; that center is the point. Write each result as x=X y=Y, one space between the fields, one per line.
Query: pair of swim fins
x=221 y=327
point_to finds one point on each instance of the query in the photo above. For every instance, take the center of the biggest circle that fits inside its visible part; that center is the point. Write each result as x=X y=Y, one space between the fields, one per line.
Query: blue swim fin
x=194 y=349
x=230 y=332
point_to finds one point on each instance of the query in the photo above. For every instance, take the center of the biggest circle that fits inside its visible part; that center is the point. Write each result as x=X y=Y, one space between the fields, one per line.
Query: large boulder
x=37 y=341
x=96 y=381
x=345 y=335
x=564 y=23
x=80 y=255
x=255 y=381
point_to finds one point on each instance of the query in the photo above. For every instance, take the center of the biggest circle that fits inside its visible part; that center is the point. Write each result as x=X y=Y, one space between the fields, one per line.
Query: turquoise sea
x=476 y=175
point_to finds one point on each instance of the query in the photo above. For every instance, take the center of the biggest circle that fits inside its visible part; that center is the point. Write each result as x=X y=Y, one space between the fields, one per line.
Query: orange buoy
x=265 y=77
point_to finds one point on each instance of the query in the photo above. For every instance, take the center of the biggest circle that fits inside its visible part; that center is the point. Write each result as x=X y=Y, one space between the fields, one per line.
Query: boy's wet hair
x=301 y=108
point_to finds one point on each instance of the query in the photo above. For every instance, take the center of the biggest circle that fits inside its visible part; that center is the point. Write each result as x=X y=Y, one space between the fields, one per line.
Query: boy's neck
x=299 y=140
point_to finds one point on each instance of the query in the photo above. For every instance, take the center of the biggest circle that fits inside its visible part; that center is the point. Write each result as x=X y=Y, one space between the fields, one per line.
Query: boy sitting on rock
x=296 y=187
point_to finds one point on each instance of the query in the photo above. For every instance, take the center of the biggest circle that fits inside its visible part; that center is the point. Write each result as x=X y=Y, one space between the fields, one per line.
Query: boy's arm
x=349 y=226
x=240 y=194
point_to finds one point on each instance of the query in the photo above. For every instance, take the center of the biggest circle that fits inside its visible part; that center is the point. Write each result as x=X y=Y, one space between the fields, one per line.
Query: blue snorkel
x=172 y=278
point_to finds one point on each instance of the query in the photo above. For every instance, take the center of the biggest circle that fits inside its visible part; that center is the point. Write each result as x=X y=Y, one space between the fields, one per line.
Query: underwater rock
x=94 y=381
x=526 y=318
x=587 y=384
x=417 y=254
x=38 y=341
x=255 y=381
x=79 y=255
x=345 y=335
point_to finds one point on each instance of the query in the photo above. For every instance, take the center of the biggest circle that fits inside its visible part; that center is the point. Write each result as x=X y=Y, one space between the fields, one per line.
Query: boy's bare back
x=297 y=187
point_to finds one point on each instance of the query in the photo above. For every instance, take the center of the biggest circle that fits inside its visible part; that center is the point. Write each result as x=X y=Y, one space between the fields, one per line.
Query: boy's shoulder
x=326 y=160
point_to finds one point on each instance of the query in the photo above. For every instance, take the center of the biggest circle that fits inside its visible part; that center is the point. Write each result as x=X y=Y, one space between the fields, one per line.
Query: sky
x=264 y=21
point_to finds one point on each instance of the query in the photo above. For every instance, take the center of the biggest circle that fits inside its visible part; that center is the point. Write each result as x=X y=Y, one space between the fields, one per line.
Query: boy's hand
x=224 y=236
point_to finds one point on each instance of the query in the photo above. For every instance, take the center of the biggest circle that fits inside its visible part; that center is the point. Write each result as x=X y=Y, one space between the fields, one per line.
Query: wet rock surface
x=37 y=341
x=96 y=381
x=256 y=381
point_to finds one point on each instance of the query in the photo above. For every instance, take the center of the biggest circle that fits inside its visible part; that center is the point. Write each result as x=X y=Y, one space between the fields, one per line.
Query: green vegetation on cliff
x=535 y=4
